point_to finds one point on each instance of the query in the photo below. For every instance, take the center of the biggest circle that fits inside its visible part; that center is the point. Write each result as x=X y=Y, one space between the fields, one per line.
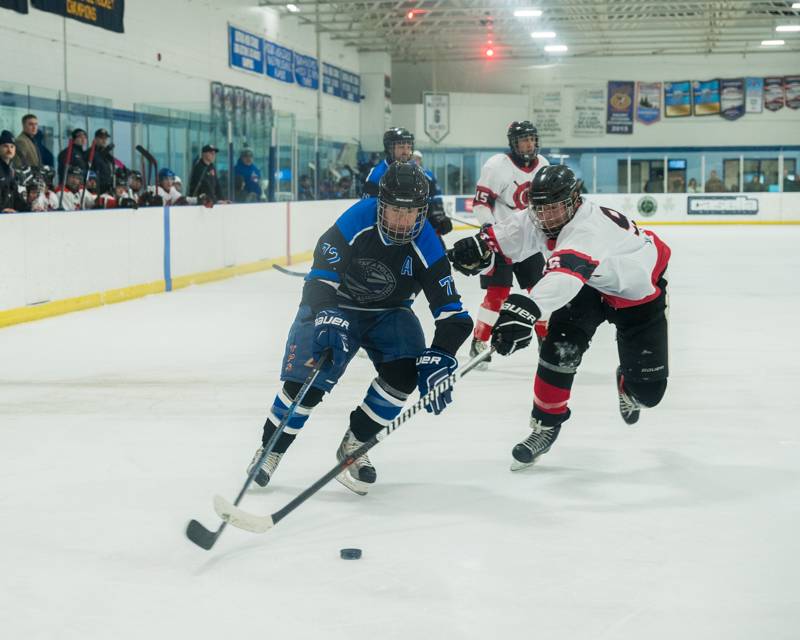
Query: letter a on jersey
x=406 y=270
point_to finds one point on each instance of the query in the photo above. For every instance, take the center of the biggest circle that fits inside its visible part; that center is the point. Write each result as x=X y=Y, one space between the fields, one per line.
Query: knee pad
x=564 y=348
x=648 y=394
x=313 y=395
x=495 y=296
x=398 y=377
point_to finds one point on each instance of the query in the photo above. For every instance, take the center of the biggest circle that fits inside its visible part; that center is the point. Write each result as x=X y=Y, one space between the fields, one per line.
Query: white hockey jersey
x=503 y=187
x=599 y=247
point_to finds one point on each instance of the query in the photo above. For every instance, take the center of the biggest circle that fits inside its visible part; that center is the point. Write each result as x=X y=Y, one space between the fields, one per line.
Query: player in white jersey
x=502 y=194
x=600 y=267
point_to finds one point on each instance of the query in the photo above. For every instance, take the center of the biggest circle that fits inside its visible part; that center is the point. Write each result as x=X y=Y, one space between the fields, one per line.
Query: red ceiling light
x=489 y=52
x=413 y=13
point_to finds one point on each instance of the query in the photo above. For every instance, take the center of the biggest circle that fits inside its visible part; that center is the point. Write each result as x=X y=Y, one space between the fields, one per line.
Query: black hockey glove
x=332 y=331
x=433 y=366
x=514 y=327
x=470 y=255
x=438 y=219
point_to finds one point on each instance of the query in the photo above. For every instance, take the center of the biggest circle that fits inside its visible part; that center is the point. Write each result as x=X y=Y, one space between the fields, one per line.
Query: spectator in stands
x=305 y=190
x=203 y=181
x=790 y=182
x=756 y=184
x=251 y=176
x=28 y=151
x=714 y=184
x=692 y=186
x=344 y=188
x=676 y=185
x=103 y=163
x=11 y=200
x=78 y=156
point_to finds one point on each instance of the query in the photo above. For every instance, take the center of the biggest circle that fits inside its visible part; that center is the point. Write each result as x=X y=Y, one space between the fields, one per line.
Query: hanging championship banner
x=267 y=111
x=351 y=85
x=331 y=80
x=106 y=14
x=731 y=98
x=547 y=115
x=245 y=51
x=648 y=102
x=280 y=62
x=227 y=102
x=705 y=97
x=437 y=115
x=791 y=87
x=773 y=94
x=238 y=110
x=249 y=113
x=619 y=118
x=677 y=99
x=20 y=6
x=754 y=95
x=306 y=71
x=589 y=111
x=217 y=102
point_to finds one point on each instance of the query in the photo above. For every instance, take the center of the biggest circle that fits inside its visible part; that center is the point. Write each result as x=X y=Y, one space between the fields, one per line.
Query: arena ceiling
x=427 y=30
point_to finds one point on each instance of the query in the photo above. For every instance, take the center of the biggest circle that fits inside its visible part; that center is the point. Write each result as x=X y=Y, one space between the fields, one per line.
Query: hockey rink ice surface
x=119 y=424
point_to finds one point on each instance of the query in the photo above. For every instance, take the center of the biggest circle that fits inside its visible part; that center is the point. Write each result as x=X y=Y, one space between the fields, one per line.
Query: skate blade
x=356 y=486
x=519 y=466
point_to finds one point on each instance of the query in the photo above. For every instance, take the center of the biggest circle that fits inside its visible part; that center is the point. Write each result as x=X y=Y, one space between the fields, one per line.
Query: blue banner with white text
x=245 y=50
x=280 y=62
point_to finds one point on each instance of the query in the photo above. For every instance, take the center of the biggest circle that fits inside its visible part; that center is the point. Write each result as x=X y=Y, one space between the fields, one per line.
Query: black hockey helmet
x=518 y=130
x=553 y=198
x=402 y=202
x=48 y=175
x=393 y=136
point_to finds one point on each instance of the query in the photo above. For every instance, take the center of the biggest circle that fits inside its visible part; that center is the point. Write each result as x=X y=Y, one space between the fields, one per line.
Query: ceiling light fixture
x=545 y=35
x=527 y=13
x=772 y=43
x=787 y=28
x=293 y=8
x=556 y=48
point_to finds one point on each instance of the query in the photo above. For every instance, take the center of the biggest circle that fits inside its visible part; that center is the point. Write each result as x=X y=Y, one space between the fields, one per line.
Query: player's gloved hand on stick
x=332 y=331
x=514 y=327
x=433 y=366
x=470 y=255
x=439 y=220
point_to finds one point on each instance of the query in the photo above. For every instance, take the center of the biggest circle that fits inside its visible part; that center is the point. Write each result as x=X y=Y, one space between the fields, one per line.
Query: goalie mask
x=523 y=139
x=402 y=203
x=553 y=198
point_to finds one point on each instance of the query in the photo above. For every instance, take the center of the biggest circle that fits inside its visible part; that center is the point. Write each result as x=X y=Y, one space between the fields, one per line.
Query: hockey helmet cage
x=518 y=130
x=553 y=198
x=404 y=187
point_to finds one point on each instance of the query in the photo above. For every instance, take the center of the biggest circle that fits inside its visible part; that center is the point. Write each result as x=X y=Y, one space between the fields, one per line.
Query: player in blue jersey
x=368 y=268
x=398 y=146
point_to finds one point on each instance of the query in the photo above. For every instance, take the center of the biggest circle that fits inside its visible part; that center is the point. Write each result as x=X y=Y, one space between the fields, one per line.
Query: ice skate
x=476 y=348
x=629 y=408
x=268 y=467
x=538 y=443
x=359 y=475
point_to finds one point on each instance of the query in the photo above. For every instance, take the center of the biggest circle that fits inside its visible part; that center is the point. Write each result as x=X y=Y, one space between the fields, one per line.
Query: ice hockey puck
x=350 y=554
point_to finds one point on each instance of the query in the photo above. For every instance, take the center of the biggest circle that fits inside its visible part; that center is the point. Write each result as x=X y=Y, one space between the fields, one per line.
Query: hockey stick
x=151 y=163
x=88 y=169
x=260 y=524
x=288 y=272
x=66 y=170
x=463 y=221
x=206 y=538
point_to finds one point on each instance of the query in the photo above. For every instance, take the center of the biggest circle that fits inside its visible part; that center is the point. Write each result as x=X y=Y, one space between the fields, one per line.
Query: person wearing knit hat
x=11 y=200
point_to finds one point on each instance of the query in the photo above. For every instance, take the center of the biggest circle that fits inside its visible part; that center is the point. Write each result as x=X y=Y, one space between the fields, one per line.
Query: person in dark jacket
x=103 y=162
x=78 y=157
x=203 y=182
x=11 y=200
